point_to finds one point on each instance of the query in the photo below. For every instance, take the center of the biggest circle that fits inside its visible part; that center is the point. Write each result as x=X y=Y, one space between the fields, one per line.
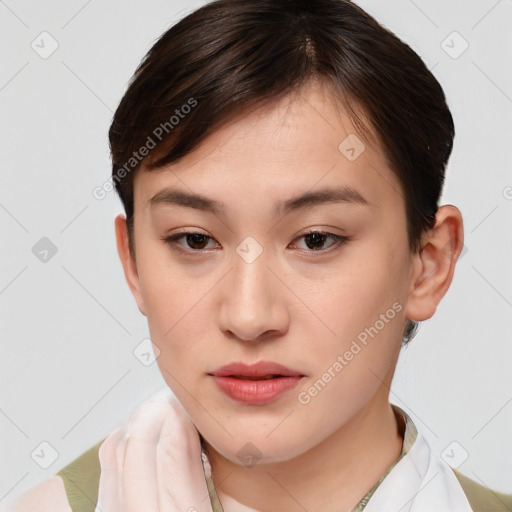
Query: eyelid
x=323 y=230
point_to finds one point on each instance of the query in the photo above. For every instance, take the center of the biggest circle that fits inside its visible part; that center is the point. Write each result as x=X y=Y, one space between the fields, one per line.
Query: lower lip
x=256 y=392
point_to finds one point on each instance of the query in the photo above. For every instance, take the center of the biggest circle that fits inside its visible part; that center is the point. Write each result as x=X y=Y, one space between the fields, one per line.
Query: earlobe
x=434 y=264
x=129 y=266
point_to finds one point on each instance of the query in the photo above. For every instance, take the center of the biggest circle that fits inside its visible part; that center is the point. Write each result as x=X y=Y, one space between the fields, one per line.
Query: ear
x=129 y=265
x=434 y=264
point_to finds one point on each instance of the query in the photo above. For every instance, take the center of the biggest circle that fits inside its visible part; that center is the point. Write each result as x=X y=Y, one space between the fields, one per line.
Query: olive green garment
x=81 y=479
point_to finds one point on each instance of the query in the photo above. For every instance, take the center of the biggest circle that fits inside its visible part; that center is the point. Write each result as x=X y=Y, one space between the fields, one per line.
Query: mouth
x=256 y=384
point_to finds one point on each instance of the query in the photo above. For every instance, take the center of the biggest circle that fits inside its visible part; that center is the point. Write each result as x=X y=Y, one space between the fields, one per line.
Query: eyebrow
x=345 y=194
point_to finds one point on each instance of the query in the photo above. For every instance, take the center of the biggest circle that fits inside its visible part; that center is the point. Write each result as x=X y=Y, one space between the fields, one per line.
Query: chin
x=248 y=450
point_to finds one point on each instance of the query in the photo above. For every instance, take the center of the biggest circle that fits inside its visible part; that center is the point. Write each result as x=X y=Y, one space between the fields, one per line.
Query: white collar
x=419 y=482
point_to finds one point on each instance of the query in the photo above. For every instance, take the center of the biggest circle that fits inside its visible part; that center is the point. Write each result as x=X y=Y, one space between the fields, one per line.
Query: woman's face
x=252 y=286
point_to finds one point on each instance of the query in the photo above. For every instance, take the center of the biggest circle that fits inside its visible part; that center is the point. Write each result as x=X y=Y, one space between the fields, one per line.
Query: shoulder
x=73 y=489
x=481 y=498
x=49 y=496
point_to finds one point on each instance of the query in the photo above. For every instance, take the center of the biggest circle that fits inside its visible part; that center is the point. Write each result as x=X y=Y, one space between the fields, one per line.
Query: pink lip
x=258 y=390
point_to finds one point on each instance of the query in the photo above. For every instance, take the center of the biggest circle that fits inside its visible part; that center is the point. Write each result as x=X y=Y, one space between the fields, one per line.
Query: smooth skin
x=301 y=303
x=294 y=304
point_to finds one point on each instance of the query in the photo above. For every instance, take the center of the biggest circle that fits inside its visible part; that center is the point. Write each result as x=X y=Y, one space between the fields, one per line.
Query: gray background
x=69 y=324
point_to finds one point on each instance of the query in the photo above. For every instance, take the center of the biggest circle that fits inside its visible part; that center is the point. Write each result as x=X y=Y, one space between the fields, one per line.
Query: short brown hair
x=230 y=54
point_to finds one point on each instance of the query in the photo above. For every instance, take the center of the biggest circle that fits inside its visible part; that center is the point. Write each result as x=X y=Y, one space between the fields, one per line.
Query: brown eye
x=315 y=240
x=197 y=239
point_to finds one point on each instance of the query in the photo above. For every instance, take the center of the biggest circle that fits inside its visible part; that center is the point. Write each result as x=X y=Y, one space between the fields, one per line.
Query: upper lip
x=260 y=369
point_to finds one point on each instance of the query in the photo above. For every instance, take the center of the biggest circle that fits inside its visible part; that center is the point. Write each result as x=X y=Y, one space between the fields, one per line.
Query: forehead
x=276 y=150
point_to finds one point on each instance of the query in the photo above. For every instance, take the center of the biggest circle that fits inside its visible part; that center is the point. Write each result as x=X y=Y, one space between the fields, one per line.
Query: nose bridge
x=250 y=285
x=252 y=304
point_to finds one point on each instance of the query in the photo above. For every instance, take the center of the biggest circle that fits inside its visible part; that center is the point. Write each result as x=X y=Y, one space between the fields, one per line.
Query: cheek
x=356 y=294
x=168 y=291
x=174 y=306
x=351 y=365
x=363 y=308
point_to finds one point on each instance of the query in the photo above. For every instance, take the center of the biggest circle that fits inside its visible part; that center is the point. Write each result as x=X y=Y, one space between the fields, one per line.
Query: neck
x=332 y=476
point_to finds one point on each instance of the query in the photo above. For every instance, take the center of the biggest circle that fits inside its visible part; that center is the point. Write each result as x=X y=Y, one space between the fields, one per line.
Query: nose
x=254 y=306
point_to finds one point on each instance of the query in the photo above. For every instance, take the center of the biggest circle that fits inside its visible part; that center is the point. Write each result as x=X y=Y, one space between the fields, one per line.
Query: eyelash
x=172 y=241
